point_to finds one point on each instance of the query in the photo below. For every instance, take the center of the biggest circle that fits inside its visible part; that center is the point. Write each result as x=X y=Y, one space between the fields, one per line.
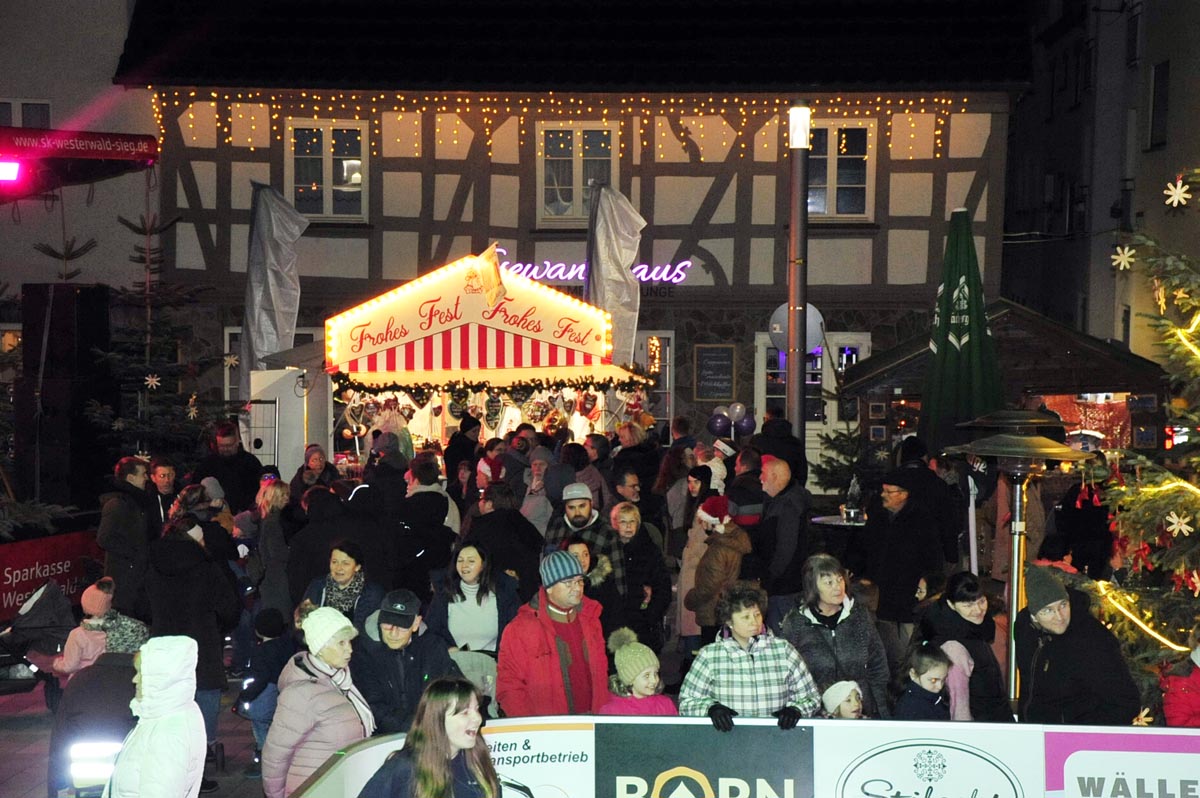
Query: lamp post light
x=799 y=124
x=1023 y=458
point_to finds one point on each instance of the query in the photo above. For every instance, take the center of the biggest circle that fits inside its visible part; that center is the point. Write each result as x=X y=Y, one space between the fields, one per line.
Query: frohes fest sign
x=466 y=315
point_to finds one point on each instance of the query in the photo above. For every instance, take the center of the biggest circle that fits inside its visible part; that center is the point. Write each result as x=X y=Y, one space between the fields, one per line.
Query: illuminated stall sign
x=560 y=271
x=467 y=316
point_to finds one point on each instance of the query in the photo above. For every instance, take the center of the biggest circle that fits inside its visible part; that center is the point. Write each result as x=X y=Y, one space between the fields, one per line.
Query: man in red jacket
x=552 y=659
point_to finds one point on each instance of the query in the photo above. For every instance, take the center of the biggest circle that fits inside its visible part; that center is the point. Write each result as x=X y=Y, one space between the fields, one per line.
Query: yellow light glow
x=1106 y=591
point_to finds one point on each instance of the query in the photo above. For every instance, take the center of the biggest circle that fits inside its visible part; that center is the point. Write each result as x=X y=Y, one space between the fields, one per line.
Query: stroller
x=32 y=640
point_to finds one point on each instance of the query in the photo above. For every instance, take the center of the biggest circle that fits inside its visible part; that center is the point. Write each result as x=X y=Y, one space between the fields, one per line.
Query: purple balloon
x=745 y=425
x=719 y=425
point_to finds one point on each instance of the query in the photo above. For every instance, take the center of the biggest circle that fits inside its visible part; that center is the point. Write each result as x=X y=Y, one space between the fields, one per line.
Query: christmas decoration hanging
x=1177 y=524
x=192 y=411
x=231 y=361
x=1177 y=193
x=1123 y=258
x=153 y=381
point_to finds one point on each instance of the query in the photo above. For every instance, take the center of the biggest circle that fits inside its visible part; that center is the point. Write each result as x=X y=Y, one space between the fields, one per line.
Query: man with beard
x=579 y=518
x=235 y=468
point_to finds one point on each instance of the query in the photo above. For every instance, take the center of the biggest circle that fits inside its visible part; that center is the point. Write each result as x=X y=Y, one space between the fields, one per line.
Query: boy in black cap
x=395 y=662
x=260 y=690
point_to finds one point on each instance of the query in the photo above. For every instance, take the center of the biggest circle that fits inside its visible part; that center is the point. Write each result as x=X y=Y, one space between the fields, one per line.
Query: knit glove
x=789 y=716
x=722 y=717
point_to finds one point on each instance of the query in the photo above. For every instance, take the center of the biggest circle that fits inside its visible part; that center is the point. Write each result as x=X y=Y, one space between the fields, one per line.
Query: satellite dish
x=814 y=327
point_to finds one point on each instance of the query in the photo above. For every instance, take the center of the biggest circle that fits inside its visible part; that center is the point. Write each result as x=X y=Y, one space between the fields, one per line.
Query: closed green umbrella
x=963 y=381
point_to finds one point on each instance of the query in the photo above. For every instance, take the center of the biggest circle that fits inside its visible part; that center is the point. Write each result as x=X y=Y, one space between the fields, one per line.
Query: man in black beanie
x=1071 y=666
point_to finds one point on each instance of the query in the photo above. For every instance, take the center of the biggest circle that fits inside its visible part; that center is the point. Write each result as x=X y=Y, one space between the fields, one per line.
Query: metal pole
x=797 y=349
x=1015 y=575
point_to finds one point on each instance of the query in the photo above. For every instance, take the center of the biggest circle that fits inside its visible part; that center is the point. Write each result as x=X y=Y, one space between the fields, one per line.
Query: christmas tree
x=157 y=362
x=1151 y=604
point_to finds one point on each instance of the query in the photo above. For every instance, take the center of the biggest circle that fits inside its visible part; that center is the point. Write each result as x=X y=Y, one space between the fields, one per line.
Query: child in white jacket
x=163 y=757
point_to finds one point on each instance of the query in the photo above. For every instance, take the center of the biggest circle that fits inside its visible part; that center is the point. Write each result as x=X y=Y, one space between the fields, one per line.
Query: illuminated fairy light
x=1172 y=486
x=740 y=117
x=1107 y=593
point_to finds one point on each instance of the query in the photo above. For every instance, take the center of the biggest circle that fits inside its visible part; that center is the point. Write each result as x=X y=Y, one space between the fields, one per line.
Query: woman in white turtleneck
x=474 y=604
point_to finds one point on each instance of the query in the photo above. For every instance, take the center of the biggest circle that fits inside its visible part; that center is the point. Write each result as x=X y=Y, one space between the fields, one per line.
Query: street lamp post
x=799 y=122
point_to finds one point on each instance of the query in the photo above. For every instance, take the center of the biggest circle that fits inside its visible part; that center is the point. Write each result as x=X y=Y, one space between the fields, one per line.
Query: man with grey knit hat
x=580 y=518
x=1071 y=666
x=552 y=659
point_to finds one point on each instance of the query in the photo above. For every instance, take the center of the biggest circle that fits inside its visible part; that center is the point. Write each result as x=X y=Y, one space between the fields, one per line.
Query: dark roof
x=1037 y=356
x=572 y=45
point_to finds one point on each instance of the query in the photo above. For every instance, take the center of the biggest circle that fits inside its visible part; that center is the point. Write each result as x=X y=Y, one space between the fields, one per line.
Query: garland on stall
x=422 y=391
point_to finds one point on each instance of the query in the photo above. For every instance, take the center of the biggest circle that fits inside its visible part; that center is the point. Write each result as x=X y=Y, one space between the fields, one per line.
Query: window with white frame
x=825 y=365
x=841 y=170
x=24 y=113
x=325 y=168
x=573 y=158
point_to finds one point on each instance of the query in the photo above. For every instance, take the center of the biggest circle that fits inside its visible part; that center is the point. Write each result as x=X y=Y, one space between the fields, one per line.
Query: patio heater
x=799 y=124
x=1022 y=456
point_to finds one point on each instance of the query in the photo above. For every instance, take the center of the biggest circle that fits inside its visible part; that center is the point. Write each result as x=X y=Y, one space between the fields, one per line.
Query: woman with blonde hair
x=444 y=755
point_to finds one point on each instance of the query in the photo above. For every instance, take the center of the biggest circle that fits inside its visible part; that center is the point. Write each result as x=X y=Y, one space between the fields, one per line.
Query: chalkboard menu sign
x=713 y=366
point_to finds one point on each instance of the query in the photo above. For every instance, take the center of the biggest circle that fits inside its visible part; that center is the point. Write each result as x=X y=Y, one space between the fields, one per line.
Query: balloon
x=737 y=411
x=721 y=410
x=719 y=425
x=745 y=425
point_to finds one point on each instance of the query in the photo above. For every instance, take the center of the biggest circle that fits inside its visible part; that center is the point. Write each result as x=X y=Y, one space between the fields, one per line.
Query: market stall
x=467 y=338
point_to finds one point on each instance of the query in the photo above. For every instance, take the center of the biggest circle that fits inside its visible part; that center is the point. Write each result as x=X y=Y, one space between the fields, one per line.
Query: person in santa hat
x=719 y=566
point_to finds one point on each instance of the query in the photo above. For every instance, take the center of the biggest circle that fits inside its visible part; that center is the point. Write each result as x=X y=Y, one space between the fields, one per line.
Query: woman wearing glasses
x=959 y=622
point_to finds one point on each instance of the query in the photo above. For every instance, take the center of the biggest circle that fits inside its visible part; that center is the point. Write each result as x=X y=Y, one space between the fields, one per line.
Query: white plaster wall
x=331 y=257
x=65 y=53
x=839 y=261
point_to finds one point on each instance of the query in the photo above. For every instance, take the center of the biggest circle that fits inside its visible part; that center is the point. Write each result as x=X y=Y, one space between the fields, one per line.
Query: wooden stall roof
x=1037 y=356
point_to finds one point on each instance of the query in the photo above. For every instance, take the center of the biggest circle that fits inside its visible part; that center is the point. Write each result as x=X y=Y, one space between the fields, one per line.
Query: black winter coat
x=513 y=543
x=900 y=549
x=1076 y=677
x=850 y=650
x=777 y=439
x=190 y=596
x=296 y=488
x=644 y=566
x=943 y=504
x=308 y=556
x=392 y=681
x=238 y=476
x=94 y=707
x=988 y=686
x=124 y=536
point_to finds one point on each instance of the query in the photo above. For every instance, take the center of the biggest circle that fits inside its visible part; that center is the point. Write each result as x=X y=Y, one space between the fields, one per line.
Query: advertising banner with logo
x=1146 y=763
x=857 y=759
x=686 y=758
x=29 y=563
x=755 y=760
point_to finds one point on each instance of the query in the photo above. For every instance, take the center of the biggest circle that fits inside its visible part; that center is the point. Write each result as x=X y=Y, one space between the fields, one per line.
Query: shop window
x=841 y=170
x=574 y=158
x=325 y=171
x=24 y=113
x=654 y=350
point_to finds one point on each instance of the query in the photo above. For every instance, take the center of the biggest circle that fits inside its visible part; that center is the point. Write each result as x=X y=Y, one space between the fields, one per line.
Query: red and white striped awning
x=470 y=347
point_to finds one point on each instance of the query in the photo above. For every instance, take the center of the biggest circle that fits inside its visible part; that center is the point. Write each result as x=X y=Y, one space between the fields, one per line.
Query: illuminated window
x=325 y=173
x=24 y=113
x=573 y=157
x=841 y=170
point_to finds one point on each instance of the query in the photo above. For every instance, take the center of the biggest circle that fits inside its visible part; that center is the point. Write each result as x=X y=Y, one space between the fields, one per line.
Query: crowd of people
x=531 y=575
